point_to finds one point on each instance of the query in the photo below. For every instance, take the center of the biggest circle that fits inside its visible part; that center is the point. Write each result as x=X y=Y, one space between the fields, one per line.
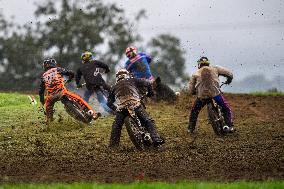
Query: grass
x=15 y=106
x=13 y=99
x=267 y=93
x=154 y=185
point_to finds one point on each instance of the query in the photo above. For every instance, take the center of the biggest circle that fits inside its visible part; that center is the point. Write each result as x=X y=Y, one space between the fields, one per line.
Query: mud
x=40 y=153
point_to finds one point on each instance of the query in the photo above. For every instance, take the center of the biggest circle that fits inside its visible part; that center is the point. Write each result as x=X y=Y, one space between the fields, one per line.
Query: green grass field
x=180 y=185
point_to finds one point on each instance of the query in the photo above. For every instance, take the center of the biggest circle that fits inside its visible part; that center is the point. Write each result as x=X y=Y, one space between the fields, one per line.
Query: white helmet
x=122 y=74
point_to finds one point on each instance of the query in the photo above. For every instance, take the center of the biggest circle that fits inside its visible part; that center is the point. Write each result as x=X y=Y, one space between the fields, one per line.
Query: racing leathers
x=139 y=66
x=205 y=83
x=127 y=96
x=52 y=83
x=94 y=82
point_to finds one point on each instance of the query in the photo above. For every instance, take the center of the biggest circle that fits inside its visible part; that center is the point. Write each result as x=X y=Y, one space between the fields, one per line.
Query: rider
x=205 y=83
x=52 y=81
x=126 y=94
x=90 y=70
x=138 y=64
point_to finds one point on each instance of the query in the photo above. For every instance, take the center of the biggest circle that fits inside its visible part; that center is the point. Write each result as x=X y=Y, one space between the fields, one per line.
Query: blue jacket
x=139 y=66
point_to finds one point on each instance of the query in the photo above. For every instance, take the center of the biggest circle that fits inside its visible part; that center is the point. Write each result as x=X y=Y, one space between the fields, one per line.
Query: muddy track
x=255 y=152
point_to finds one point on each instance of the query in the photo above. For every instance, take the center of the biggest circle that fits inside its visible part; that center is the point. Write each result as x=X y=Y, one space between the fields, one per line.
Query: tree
x=68 y=31
x=76 y=28
x=19 y=56
x=168 y=59
x=65 y=33
x=20 y=60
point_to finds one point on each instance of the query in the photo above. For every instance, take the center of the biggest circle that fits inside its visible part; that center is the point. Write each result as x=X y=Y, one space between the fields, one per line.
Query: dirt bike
x=216 y=117
x=163 y=92
x=136 y=129
x=76 y=108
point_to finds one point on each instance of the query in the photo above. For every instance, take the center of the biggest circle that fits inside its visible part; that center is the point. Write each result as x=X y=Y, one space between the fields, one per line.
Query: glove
x=150 y=94
x=79 y=86
x=42 y=101
x=107 y=70
x=229 y=80
x=112 y=107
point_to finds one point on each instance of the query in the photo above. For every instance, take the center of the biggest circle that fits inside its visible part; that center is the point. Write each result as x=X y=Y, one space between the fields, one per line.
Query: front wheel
x=134 y=132
x=76 y=111
x=216 y=120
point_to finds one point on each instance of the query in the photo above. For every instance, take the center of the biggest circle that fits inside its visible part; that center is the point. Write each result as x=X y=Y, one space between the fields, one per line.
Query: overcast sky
x=246 y=36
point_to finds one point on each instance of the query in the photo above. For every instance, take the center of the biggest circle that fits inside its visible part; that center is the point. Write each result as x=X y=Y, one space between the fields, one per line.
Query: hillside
x=65 y=151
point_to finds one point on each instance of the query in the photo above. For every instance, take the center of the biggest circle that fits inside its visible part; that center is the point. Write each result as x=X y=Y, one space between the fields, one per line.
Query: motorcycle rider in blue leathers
x=138 y=64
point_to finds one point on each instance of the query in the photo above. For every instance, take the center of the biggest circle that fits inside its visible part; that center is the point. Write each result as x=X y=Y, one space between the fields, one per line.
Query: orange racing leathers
x=52 y=83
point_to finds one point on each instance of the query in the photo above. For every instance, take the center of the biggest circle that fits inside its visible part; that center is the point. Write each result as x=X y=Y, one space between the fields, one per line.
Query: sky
x=246 y=36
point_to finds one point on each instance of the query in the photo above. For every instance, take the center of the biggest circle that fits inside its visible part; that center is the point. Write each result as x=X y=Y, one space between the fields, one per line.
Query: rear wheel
x=216 y=120
x=76 y=111
x=134 y=133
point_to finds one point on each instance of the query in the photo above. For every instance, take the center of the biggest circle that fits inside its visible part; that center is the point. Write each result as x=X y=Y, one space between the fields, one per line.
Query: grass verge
x=137 y=185
x=267 y=93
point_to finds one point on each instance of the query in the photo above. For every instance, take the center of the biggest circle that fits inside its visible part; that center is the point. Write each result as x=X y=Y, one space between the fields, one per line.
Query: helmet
x=131 y=51
x=122 y=74
x=49 y=63
x=87 y=56
x=203 y=61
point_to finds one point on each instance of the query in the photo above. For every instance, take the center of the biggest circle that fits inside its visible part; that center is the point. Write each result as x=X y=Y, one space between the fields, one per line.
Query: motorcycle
x=136 y=129
x=137 y=132
x=216 y=117
x=76 y=109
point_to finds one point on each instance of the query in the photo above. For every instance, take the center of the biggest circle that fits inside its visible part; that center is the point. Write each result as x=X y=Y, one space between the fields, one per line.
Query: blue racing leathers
x=139 y=66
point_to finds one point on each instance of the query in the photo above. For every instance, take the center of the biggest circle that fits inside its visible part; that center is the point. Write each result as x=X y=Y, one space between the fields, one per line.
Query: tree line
x=65 y=29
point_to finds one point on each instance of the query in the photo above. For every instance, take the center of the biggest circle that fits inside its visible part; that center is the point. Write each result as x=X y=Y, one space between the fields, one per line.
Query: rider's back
x=139 y=66
x=53 y=80
x=126 y=93
x=91 y=73
x=205 y=81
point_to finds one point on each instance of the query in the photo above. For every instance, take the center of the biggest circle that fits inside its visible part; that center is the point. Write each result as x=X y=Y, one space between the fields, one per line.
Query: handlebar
x=83 y=84
x=223 y=83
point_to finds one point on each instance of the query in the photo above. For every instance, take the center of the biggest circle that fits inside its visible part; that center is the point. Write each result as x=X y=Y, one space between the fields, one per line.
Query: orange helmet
x=131 y=51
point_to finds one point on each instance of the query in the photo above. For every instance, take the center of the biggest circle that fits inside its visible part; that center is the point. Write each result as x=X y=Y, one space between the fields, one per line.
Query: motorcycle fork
x=134 y=116
x=143 y=131
x=217 y=107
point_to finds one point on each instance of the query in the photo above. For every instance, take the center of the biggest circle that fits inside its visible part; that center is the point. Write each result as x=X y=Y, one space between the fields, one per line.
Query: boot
x=115 y=136
x=191 y=127
x=158 y=142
